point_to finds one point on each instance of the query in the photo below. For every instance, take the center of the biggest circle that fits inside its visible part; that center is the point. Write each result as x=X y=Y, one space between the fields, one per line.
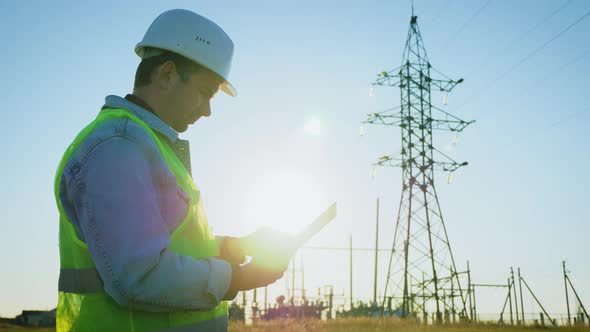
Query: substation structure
x=422 y=277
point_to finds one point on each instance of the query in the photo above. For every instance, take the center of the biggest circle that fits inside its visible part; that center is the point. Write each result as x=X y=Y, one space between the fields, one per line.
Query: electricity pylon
x=421 y=272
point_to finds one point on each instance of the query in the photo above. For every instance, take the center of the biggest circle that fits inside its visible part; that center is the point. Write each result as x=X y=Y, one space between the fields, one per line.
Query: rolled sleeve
x=118 y=211
x=219 y=278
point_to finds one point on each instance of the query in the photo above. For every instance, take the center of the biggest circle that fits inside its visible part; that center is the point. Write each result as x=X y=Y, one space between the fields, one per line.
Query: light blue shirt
x=124 y=202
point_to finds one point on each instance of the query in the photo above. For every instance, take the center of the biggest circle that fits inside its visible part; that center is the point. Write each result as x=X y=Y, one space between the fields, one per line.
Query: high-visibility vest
x=83 y=305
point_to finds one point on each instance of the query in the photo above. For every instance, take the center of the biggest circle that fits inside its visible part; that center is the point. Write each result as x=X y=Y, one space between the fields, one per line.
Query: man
x=136 y=250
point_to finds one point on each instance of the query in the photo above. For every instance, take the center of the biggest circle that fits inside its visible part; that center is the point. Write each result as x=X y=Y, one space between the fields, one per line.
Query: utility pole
x=469 y=292
x=567 y=301
x=553 y=321
x=424 y=313
x=330 y=302
x=584 y=312
x=521 y=302
x=474 y=305
x=376 y=253
x=452 y=296
x=265 y=299
x=292 y=300
x=510 y=301
x=515 y=296
x=302 y=280
x=351 y=304
x=421 y=243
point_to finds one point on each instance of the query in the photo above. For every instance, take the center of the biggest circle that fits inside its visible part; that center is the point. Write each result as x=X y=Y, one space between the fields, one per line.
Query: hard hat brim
x=228 y=89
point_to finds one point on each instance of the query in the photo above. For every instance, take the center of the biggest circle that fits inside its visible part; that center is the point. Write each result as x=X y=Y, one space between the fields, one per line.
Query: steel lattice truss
x=422 y=275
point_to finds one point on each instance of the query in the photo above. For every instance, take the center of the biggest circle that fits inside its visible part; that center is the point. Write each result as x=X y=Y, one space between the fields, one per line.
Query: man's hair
x=184 y=67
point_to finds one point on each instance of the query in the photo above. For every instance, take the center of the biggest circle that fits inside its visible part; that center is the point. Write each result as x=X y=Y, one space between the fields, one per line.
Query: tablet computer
x=312 y=229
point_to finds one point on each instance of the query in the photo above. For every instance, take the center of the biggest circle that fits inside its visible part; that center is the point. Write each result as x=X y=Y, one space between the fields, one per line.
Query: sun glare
x=285 y=200
x=313 y=126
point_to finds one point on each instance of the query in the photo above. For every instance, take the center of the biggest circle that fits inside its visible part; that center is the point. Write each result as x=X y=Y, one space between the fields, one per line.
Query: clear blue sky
x=522 y=201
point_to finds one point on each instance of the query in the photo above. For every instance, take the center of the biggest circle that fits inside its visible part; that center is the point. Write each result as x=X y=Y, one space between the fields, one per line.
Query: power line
x=550 y=74
x=475 y=14
x=440 y=10
x=524 y=34
x=540 y=23
x=343 y=249
x=540 y=48
x=567 y=118
x=543 y=130
x=546 y=77
x=531 y=54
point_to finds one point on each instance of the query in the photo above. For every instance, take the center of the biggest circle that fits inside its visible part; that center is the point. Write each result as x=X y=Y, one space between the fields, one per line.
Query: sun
x=286 y=200
x=313 y=126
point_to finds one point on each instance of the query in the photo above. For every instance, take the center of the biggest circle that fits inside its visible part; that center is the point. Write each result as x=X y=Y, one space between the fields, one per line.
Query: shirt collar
x=144 y=115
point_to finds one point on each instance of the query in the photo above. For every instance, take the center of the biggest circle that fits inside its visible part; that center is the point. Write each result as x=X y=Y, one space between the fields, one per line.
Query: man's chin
x=181 y=128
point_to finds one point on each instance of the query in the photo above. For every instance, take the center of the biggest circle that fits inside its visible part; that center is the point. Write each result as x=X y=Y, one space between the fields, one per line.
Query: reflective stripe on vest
x=83 y=305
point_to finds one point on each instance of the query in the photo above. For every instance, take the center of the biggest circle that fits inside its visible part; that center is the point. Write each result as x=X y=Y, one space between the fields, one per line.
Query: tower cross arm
x=390 y=78
x=443 y=120
x=447 y=164
x=450 y=125
x=389 y=117
x=444 y=85
x=392 y=160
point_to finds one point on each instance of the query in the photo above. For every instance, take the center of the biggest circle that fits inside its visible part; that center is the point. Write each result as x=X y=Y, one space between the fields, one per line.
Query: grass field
x=348 y=325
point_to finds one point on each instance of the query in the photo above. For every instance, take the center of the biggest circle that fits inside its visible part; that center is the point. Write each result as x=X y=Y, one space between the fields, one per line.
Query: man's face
x=189 y=100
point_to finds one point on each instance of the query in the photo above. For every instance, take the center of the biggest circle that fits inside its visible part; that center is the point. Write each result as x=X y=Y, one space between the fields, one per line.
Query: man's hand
x=231 y=250
x=270 y=247
x=271 y=252
x=253 y=275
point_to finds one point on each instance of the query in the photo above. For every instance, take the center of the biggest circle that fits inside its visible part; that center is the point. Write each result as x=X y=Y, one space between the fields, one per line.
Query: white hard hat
x=194 y=37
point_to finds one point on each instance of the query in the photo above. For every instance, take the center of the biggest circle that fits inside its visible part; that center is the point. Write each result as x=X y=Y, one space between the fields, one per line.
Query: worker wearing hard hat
x=136 y=250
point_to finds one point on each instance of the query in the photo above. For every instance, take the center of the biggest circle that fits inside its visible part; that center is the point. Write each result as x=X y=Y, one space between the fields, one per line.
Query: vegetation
x=350 y=325
x=375 y=325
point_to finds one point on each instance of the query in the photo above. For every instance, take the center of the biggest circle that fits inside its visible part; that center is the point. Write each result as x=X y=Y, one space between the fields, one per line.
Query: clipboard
x=316 y=226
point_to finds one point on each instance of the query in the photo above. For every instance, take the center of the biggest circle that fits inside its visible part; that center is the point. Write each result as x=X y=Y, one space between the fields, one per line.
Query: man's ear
x=165 y=75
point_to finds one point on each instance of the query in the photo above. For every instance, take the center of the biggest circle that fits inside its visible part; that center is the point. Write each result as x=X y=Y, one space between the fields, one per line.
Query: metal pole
x=515 y=297
x=452 y=296
x=469 y=292
x=501 y=321
x=293 y=281
x=567 y=301
x=553 y=322
x=510 y=301
x=376 y=251
x=411 y=295
x=266 y=298
x=330 y=302
x=424 y=313
x=474 y=305
x=302 y=280
x=254 y=306
x=444 y=301
x=521 y=301
x=579 y=301
x=351 y=304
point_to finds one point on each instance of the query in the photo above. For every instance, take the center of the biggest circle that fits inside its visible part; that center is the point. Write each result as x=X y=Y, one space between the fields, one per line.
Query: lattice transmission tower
x=421 y=276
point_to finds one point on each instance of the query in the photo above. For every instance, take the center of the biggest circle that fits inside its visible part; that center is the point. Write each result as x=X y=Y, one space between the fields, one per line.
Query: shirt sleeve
x=117 y=208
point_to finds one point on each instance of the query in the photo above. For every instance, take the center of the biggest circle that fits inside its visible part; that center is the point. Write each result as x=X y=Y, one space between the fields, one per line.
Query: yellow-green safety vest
x=83 y=305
